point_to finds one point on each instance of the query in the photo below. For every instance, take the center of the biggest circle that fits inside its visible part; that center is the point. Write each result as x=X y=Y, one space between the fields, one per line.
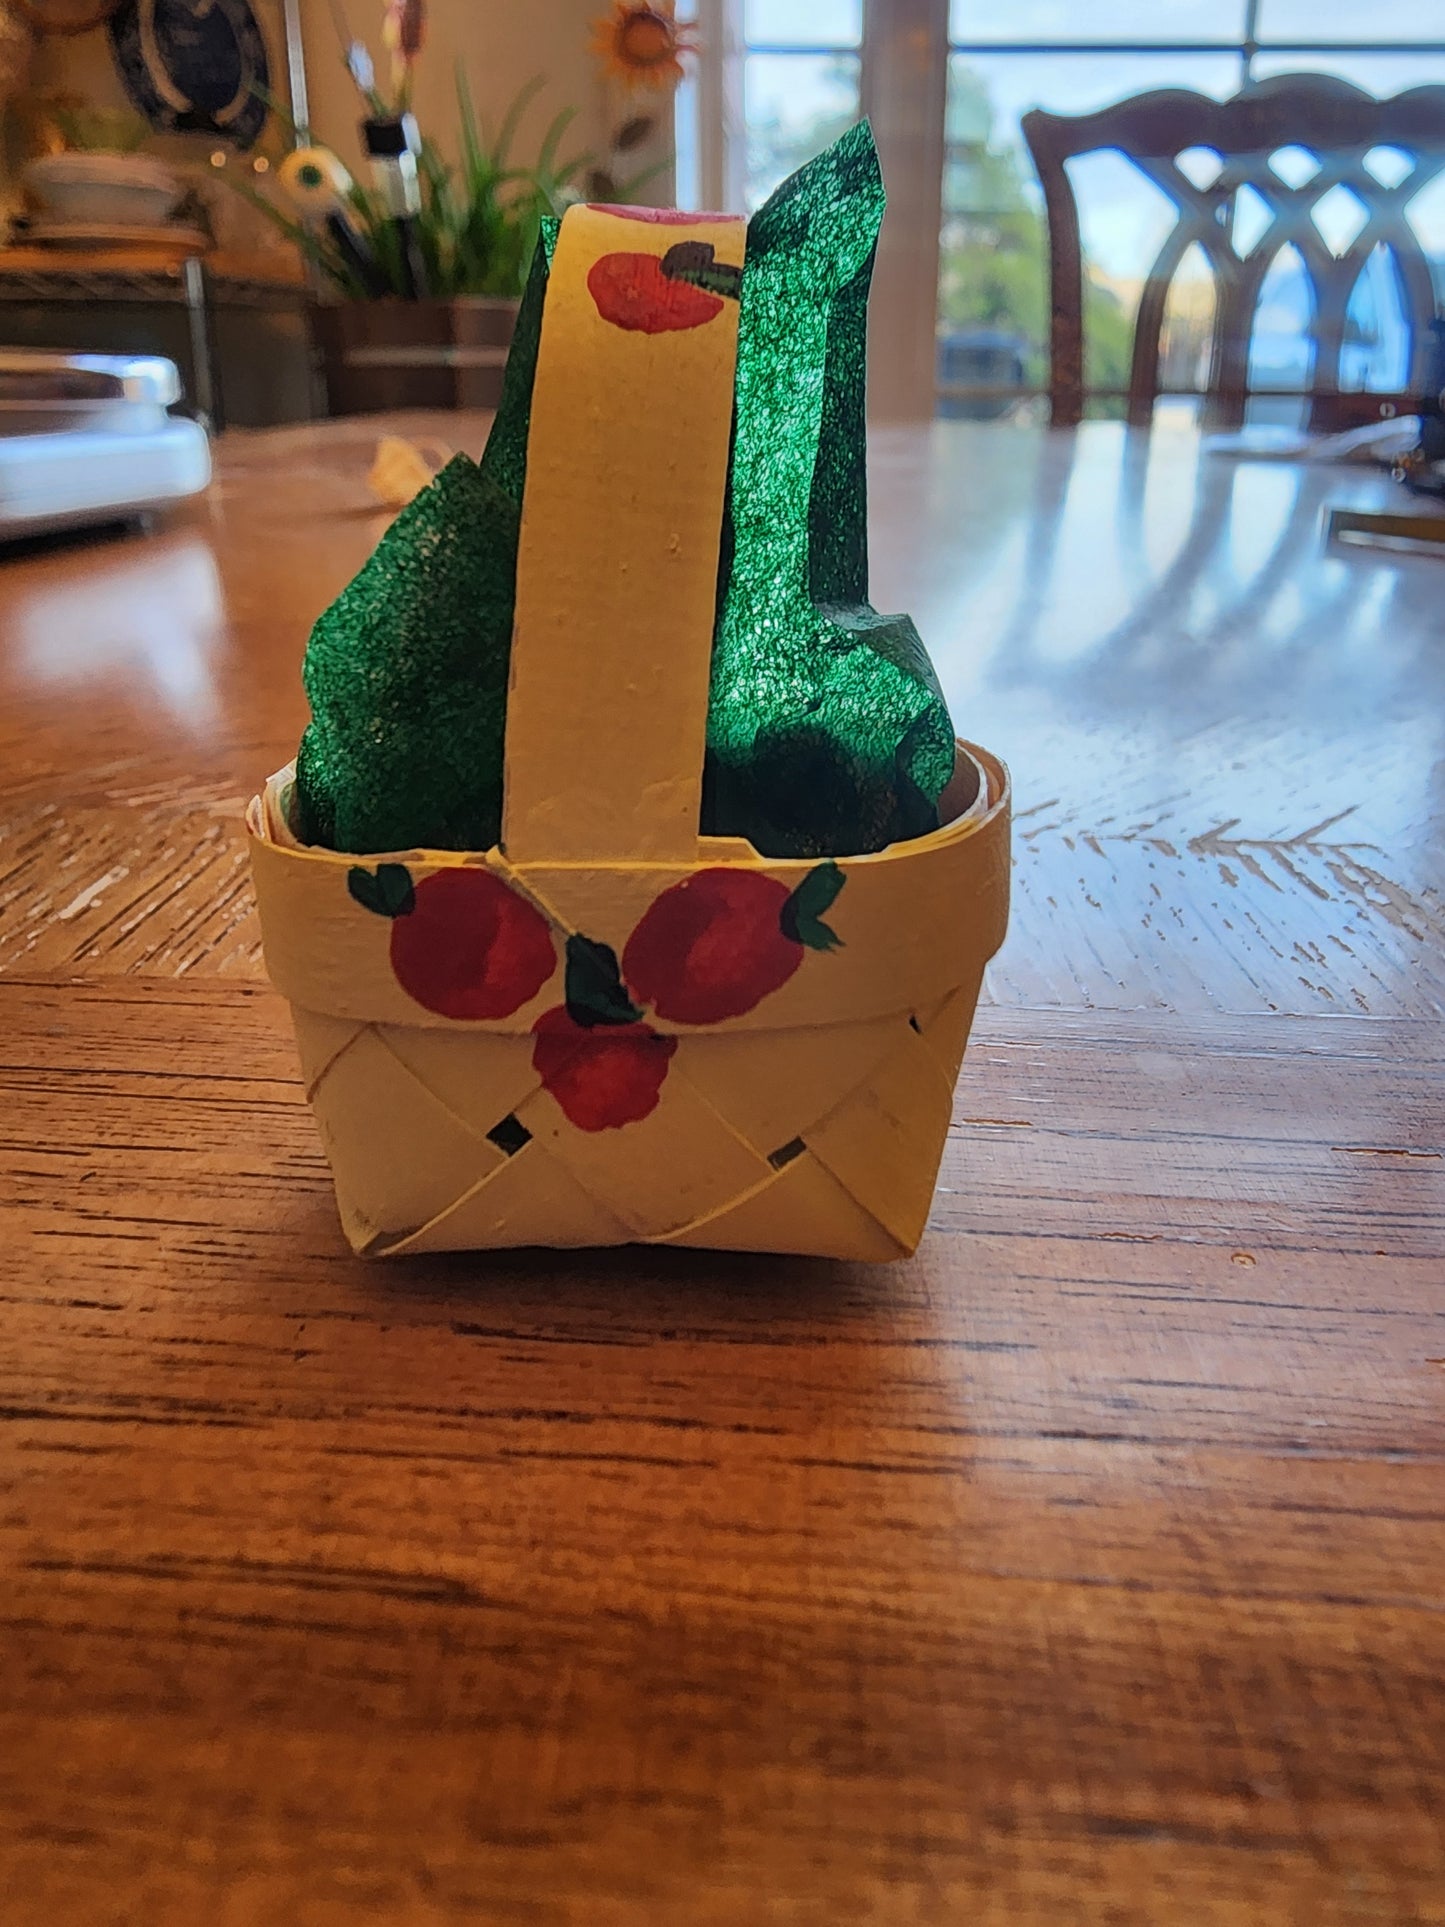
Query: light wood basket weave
x=813 y=1122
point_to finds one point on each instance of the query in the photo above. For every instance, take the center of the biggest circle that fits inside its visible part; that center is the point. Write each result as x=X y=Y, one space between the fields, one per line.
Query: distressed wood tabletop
x=1090 y=1567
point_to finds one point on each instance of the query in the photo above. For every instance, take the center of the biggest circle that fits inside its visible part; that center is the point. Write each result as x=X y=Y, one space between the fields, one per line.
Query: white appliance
x=89 y=439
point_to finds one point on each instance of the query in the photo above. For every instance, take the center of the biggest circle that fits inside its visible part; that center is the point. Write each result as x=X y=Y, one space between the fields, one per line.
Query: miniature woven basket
x=611 y=1029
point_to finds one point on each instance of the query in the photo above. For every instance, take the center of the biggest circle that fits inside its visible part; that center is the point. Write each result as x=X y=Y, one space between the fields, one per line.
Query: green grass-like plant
x=480 y=216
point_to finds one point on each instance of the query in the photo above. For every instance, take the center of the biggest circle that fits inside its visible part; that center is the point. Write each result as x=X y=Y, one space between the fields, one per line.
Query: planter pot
x=378 y=355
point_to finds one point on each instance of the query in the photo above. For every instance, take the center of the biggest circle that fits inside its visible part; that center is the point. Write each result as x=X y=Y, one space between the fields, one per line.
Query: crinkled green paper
x=407 y=670
x=827 y=732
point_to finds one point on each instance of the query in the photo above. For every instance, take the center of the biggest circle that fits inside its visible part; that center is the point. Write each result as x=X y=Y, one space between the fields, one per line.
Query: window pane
x=993 y=278
x=803 y=23
x=1069 y=20
x=1381 y=74
x=1079 y=83
x=687 y=168
x=1376 y=351
x=1427 y=218
x=795 y=104
x=686 y=125
x=1187 y=336
x=1281 y=346
x=1348 y=20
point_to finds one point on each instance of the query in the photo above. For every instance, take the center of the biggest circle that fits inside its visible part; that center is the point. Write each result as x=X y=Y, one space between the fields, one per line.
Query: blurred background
x=807 y=67
x=756 y=87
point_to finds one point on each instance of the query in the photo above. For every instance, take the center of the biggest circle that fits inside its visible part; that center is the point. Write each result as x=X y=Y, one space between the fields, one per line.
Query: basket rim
x=265 y=823
x=918 y=921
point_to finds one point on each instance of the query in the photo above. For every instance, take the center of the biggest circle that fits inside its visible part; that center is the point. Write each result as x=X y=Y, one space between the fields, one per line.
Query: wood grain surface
x=1088 y=1568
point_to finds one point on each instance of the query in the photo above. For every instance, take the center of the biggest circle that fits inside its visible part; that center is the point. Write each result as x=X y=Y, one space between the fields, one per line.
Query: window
x=801 y=70
x=778 y=80
x=1056 y=54
x=781 y=77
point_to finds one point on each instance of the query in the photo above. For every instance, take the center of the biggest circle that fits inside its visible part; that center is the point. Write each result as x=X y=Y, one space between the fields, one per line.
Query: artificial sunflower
x=643 y=45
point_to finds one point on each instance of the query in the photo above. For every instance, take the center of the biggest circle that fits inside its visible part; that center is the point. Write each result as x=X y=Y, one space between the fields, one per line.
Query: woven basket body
x=812 y=1121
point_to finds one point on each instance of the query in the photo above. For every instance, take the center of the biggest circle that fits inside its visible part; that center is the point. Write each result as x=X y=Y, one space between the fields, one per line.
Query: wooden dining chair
x=1338 y=126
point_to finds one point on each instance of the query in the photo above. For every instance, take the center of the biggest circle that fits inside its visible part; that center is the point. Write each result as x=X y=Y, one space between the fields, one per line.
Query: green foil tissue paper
x=828 y=734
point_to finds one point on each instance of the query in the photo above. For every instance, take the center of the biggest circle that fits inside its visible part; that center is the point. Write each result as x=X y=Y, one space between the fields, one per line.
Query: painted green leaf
x=801 y=919
x=386 y=892
x=696 y=262
x=595 y=991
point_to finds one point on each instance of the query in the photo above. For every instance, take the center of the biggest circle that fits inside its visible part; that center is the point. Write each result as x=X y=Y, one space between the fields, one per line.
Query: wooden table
x=1089 y=1568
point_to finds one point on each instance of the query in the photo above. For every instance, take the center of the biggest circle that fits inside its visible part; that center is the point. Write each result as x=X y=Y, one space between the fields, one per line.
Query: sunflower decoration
x=643 y=45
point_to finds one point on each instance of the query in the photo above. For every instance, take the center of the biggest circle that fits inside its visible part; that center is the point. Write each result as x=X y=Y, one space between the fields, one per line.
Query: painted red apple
x=602 y=1075
x=714 y=945
x=462 y=943
x=632 y=291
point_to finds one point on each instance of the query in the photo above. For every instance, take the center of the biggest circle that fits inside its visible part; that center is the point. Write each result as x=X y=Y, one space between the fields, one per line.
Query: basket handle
x=627 y=460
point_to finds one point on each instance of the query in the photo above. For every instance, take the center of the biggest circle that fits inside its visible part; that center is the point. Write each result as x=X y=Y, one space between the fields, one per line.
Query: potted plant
x=420 y=272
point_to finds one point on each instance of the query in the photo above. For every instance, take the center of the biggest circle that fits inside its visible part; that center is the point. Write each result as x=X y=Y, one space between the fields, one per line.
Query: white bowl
x=123 y=189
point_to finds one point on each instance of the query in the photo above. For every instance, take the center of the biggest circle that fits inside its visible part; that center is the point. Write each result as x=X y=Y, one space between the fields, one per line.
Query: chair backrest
x=1339 y=126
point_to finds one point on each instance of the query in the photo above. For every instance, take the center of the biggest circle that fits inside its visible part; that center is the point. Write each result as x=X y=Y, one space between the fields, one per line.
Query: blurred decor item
x=64 y=17
x=403 y=29
x=1422 y=470
x=603 y=179
x=638 y=48
x=421 y=269
x=472 y=227
x=982 y=374
x=166 y=244
x=642 y=46
x=1338 y=128
x=402 y=469
x=110 y=200
x=88 y=439
x=1420 y=533
x=111 y=189
x=194 y=66
x=318 y=186
x=379 y=355
x=17 y=50
x=61 y=123
x=235 y=327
